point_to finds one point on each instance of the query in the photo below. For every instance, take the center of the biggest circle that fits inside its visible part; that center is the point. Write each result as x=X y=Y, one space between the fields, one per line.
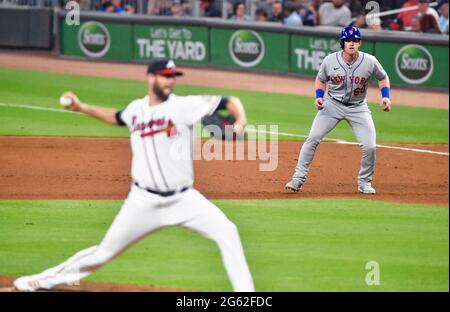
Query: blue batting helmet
x=349 y=32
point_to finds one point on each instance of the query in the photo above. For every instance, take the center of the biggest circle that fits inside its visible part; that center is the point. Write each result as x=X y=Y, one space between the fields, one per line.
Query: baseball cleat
x=367 y=189
x=26 y=283
x=291 y=186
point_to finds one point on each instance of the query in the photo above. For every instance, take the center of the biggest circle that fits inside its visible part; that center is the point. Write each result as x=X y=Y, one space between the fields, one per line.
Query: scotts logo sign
x=414 y=64
x=246 y=48
x=94 y=39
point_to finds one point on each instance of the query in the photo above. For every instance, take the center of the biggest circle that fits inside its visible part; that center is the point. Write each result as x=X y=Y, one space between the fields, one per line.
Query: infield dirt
x=99 y=168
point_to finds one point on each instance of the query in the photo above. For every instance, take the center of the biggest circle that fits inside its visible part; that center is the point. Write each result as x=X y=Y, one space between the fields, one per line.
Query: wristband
x=319 y=93
x=385 y=92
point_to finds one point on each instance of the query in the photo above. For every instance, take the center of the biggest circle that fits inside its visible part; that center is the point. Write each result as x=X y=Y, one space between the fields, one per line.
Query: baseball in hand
x=65 y=101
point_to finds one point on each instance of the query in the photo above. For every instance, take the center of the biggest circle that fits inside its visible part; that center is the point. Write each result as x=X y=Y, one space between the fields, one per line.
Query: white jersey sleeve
x=125 y=116
x=194 y=107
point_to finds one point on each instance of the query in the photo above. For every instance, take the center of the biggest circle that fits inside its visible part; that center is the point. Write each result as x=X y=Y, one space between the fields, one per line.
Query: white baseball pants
x=143 y=213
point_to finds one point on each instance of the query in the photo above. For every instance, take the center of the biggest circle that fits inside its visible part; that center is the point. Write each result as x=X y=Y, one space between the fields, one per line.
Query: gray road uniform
x=344 y=100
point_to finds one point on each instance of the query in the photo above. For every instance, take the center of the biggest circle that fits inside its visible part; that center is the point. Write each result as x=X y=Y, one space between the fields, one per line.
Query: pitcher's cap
x=163 y=68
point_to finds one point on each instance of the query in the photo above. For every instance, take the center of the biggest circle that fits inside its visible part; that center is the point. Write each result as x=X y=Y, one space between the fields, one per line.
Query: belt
x=163 y=194
x=346 y=104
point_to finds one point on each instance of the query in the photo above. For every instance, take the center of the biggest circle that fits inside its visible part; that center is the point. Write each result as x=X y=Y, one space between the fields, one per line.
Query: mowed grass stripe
x=292 y=114
x=291 y=245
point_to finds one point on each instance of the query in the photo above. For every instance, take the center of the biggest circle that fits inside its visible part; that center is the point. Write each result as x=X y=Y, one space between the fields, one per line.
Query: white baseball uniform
x=161 y=194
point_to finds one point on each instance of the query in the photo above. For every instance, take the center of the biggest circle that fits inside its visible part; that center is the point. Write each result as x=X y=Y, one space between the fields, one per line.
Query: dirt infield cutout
x=99 y=168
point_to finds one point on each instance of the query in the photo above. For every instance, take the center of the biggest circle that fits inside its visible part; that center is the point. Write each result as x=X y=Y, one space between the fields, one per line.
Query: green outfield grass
x=292 y=114
x=291 y=245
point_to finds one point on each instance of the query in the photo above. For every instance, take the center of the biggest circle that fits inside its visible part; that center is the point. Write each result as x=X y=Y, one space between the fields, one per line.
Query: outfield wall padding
x=26 y=27
x=411 y=60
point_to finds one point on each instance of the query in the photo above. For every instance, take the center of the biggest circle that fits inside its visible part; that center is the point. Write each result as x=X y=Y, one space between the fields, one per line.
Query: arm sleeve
x=196 y=107
x=126 y=117
x=222 y=104
x=119 y=119
x=378 y=71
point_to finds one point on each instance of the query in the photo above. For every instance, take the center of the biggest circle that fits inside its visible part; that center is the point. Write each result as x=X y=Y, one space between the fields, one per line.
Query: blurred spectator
x=264 y=4
x=443 y=19
x=391 y=4
x=317 y=3
x=384 y=5
x=357 y=6
x=359 y=21
x=158 y=7
x=291 y=17
x=239 y=12
x=396 y=24
x=261 y=15
x=297 y=3
x=314 y=6
x=107 y=7
x=277 y=12
x=118 y=5
x=179 y=8
x=334 y=14
x=374 y=23
x=85 y=5
x=113 y=6
x=424 y=9
x=211 y=8
x=406 y=16
x=176 y=9
x=308 y=14
x=414 y=24
x=429 y=25
x=186 y=6
x=130 y=9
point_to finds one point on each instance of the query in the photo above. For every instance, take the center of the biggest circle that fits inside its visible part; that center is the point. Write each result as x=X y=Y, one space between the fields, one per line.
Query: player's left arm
x=383 y=84
x=385 y=87
x=236 y=108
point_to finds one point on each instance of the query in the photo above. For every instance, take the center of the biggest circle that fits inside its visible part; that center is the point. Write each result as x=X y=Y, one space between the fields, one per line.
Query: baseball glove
x=220 y=125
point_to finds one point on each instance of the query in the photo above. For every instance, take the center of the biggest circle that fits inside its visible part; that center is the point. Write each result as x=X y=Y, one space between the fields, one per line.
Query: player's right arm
x=320 y=83
x=105 y=114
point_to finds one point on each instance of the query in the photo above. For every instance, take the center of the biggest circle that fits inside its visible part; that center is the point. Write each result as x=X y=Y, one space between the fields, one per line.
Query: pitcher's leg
x=136 y=219
x=209 y=221
x=364 y=131
x=325 y=121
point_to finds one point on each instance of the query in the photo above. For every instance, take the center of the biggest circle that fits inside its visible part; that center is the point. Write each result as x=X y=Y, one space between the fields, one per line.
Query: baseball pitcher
x=347 y=74
x=161 y=194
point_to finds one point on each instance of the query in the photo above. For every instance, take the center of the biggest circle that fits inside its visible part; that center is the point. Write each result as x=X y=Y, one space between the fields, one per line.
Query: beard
x=159 y=92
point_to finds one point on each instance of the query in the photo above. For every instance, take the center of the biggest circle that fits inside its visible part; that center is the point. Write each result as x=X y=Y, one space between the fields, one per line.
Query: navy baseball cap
x=163 y=68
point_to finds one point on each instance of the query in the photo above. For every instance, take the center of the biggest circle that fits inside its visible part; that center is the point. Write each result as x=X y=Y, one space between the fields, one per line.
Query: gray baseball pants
x=359 y=118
